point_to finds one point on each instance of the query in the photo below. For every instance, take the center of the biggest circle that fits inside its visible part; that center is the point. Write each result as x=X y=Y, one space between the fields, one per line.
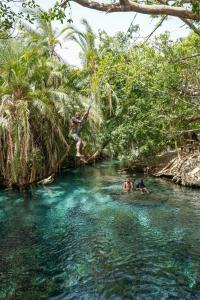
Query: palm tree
x=42 y=34
x=86 y=40
x=34 y=111
x=36 y=102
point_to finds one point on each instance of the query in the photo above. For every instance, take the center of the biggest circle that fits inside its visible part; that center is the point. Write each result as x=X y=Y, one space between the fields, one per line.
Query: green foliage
x=196 y=6
x=10 y=16
x=148 y=97
x=144 y=94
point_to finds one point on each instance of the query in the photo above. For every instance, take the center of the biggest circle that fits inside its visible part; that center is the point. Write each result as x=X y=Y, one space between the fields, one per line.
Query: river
x=81 y=238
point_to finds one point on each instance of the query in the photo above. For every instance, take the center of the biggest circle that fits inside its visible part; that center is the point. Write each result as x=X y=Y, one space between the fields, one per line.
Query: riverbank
x=69 y=163
x=181 y=169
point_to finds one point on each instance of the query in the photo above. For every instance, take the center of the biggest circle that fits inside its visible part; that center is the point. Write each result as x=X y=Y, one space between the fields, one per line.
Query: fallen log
x=47 y=180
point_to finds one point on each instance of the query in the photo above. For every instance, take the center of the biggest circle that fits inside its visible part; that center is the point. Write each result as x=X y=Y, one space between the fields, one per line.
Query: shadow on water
x=82 y=238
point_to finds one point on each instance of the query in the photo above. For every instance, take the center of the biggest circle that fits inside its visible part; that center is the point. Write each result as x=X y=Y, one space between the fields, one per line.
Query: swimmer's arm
x=123 y=186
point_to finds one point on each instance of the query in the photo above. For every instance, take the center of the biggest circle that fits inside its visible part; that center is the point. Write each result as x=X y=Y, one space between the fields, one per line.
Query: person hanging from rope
x=75 y=126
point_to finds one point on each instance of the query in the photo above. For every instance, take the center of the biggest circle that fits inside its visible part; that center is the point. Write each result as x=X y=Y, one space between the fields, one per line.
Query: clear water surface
x=81 y=238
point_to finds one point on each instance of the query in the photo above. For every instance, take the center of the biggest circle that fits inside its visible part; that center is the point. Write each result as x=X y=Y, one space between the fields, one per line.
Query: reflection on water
x=82 y=238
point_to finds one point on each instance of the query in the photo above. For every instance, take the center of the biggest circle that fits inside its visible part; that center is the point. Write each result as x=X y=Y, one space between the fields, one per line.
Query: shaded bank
x=183 y=170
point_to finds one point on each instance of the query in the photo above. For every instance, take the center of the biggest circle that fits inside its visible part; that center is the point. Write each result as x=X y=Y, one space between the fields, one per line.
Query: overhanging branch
x=131 y=6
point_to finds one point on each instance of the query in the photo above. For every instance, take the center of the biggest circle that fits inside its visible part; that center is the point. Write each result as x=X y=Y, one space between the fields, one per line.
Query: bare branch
x=186 y=58
x=191 y=25
x=129 y=6
x=186 y=21
x=156 y=27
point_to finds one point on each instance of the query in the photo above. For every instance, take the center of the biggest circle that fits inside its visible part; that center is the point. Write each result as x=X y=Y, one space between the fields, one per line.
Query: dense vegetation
x=144 y=94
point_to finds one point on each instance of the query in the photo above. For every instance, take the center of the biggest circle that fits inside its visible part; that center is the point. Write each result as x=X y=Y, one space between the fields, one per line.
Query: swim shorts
x=75 y=136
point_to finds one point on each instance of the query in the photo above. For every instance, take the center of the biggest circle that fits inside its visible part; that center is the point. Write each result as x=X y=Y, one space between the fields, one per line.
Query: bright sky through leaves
x=112 y=23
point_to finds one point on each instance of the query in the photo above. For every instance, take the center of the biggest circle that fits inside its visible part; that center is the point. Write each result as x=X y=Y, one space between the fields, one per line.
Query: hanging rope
x=115 y=55
x=86 y=114
x=93 y=96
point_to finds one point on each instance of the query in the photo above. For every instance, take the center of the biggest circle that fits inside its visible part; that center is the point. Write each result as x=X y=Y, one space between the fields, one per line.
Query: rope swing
x=93 y=95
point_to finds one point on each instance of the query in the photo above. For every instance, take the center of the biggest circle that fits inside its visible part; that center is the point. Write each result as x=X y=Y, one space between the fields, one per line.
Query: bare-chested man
x=127 y=185
x=74 y=127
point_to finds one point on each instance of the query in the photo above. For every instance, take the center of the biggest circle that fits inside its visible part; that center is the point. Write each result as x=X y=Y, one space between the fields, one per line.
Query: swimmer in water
x=127 y=185
x=141 y=187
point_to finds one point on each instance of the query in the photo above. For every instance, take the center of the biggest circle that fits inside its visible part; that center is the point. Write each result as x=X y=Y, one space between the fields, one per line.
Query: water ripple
x=85 y=240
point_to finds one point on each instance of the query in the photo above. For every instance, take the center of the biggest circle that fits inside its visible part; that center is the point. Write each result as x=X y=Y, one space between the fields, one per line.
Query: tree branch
x=156 y=27
x=129 y=6
x=191 y=25
x=181 y=131
x=193 y=118
x=186 y=58
x=186 y=21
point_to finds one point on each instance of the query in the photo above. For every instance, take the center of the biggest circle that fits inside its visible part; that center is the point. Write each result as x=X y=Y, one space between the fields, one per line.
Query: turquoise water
x=81 y=238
